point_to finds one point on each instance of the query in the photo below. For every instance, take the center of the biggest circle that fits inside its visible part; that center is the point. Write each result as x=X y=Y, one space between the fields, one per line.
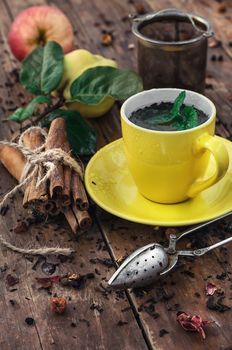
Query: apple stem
x=58 y=104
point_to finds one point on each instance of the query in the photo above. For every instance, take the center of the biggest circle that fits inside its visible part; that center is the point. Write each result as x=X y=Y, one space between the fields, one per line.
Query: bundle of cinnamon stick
x=64 y=191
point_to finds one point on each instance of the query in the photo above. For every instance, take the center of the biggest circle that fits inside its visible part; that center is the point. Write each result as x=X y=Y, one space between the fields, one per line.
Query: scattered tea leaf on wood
x=30 y=321
x=217 y=305
x=11 y=280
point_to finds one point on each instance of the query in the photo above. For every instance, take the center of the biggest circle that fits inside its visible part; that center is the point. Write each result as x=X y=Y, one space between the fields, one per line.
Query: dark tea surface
x=149 y=117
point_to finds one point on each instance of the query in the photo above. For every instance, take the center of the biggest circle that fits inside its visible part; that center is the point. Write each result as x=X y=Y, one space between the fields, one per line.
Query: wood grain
x=113 y=237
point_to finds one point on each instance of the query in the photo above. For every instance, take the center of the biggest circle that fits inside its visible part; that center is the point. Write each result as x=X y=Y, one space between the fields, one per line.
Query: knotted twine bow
x=37 y=161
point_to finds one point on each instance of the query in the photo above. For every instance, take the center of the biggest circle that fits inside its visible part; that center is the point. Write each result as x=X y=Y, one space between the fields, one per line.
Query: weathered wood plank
x=121 y=237
x=88 y=36
x=219 y=73
x=182 y=290
x=81 y=327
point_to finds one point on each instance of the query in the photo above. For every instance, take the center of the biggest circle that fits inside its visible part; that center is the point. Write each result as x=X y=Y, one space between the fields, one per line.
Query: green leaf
x=42 y=69
x=161 y=118
x=96 y=83
x=191 y=117
x=169 y=116
x=22 y=114
x=81 y=136
x=179 y=123
x=178 y=103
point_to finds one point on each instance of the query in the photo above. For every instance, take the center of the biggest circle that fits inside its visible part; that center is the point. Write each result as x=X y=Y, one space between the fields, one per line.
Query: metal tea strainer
x=152 y=261
x=172 y=49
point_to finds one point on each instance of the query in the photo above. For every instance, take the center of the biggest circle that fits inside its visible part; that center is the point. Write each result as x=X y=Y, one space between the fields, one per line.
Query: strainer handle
x=150 y=16
x=202 y=251
x=198 y=227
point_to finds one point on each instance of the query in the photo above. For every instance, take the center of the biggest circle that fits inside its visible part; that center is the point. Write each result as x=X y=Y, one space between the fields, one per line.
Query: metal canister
x=172 y=49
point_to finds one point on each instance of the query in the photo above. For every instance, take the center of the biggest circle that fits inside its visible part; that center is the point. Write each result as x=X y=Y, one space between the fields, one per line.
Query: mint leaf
x=42 y=69
x=177 y=104
x=160 y=118
x=22 y=114
x=92 y=86
x=191 y=117
x=169 y=116
x=81 y=136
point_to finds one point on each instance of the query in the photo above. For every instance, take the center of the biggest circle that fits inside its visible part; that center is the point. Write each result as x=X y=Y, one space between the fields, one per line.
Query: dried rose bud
x=58 y=305
x=210 y=288
x=192 y=323
x=106 y=39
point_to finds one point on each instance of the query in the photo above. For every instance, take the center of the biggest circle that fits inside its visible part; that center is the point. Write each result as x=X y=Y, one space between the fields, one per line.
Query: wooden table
x=95 y=318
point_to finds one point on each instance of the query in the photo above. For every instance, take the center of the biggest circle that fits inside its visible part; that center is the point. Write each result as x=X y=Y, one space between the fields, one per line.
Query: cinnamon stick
x=13 y=160
x=83 y=218
x=40 y=197
x=33 y=140
x=71 y=219
x=57 y=138
x=78 y=193
x=66 y=194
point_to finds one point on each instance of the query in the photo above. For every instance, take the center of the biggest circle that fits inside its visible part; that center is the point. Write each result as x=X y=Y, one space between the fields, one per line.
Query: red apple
x=35 y=26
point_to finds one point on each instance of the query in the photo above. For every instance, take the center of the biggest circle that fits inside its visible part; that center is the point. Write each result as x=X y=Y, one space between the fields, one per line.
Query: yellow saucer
x=111 y=186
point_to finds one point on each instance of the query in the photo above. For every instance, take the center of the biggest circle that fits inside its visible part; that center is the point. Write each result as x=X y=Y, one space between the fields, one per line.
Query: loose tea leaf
x=99 y=82
x=42 y=70
x=22 y=114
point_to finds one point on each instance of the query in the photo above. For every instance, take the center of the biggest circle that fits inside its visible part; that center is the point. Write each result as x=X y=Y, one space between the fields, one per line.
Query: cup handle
x=220 y=154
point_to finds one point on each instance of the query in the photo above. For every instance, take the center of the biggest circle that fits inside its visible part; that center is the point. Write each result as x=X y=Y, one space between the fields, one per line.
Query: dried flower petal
x=210 y=288
x=46 y=282
x=21 y=227
x=58 y=305
x=192 y=323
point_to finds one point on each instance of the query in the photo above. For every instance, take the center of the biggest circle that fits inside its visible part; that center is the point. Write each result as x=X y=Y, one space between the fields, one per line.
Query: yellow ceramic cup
x=169 y=166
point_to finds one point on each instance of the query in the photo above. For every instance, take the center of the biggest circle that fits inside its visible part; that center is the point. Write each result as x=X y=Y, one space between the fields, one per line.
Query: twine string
x=40 y=164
